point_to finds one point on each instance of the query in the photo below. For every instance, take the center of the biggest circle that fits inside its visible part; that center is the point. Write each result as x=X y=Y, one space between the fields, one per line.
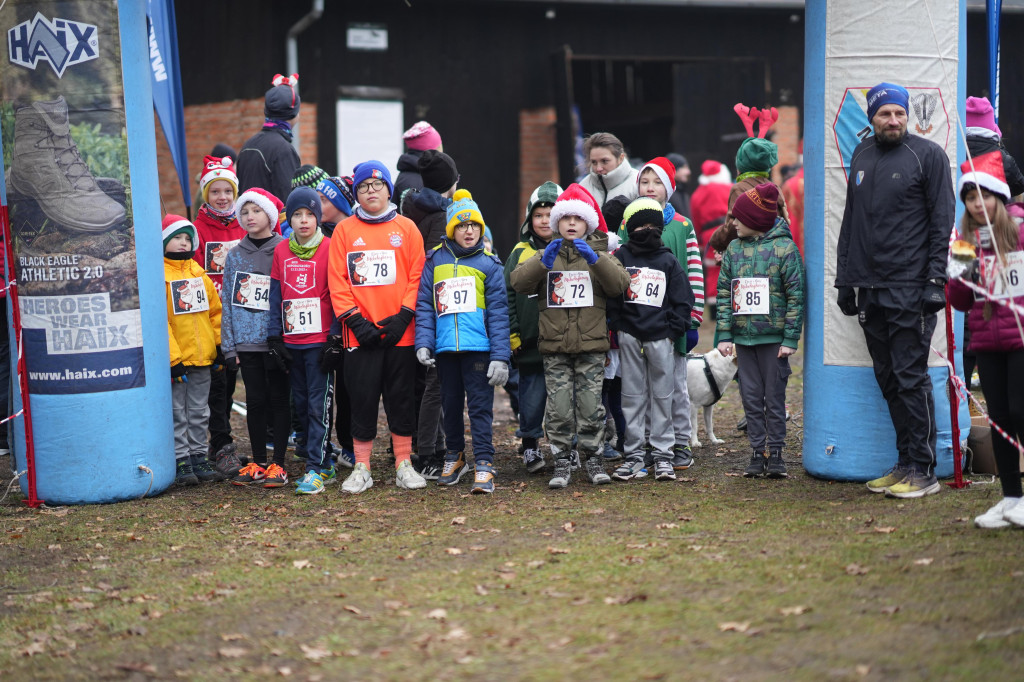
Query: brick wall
x=538 y=153
x=232 y=123
x=787 y=137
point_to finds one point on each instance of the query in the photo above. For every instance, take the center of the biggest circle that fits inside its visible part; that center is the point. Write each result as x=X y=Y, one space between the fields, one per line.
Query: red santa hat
x=577 y=201
x=270 y=205
x=712 y=172
x=217 y=169
x=666 y=171
x=175 y=224
x=987 y=172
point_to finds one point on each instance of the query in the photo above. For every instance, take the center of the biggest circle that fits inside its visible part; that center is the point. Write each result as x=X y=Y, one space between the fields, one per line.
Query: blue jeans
x=312 y=393
x=464 y=383
x=533 y=396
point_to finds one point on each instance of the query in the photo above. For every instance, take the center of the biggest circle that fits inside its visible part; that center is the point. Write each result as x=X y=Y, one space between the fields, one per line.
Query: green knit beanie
x=756 y=155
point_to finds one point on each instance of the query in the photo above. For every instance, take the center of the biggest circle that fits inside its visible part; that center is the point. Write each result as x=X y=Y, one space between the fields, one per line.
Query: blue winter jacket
x=486 y=328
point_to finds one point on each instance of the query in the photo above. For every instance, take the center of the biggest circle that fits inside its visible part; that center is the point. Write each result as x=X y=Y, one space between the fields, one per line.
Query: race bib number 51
x=302 y=316
x=570 y=289
x=372 y=268
x=750 y=296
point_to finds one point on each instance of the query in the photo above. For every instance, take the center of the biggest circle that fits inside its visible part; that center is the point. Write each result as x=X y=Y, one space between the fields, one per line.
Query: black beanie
x=437 y=170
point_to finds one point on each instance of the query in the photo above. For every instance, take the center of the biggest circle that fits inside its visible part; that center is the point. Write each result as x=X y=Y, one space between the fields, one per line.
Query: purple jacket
x=997 y=335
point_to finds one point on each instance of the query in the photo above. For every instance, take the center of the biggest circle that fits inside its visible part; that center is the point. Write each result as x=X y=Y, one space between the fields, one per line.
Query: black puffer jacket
x=426 y=208
x=899 y=213
x=408 y=175
x=978 y=144
x=267 y=160
x=651 y=323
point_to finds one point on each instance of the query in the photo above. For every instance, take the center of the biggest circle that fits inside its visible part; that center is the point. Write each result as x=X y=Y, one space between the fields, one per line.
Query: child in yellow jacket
x=193 y=325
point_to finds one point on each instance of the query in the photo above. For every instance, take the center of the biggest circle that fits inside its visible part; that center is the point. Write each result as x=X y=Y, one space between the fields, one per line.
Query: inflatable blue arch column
x=97 y=355
x=848 y=434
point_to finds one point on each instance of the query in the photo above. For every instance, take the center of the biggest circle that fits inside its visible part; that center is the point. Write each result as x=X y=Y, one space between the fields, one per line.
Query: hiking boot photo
x=47 y=167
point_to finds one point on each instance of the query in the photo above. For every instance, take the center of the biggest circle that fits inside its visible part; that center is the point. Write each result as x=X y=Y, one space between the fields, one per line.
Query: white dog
x=704 y=393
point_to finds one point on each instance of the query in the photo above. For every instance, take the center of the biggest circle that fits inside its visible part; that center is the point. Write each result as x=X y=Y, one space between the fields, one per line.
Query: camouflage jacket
x=775 y=257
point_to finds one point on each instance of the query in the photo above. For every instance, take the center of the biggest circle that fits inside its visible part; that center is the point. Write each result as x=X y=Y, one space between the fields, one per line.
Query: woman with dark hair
x=610 y=174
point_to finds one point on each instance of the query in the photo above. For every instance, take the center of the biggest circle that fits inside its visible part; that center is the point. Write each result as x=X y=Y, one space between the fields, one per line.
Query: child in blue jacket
x=462 y=327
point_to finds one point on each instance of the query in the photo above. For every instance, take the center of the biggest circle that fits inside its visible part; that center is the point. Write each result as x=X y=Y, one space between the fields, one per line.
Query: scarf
x=644 y=241
x=382 y=218
x=669 y=212
x=753 y=174
x=225 y=218
x=180 y=255
x=283 y=127
x=307 y=250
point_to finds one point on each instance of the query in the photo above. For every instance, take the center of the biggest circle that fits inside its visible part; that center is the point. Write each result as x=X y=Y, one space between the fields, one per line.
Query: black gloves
x=219 y=362
x=366 y=332
x=394 y=327
x=279 y=353
x=847 y=300
x=934 y=298
x=330 y=354
x=178 y=373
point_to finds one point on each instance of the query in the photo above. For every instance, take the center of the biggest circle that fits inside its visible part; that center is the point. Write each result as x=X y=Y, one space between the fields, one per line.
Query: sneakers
x=631 y=468
x=454 y=467
x=329 y=475
x=891 y=477
x=431 y=470
x=183 y=474
x=250 y=473
x=995 y=517
x=310 y=484
x=648 y=456
x=574 y=459
x=1016 y=514
x=663 y=470
x=610 y=454
x=483 y=479
x=226 y=461
x=204 y=471
x=533 y=460
x=758 y=465
x=343 y=456
x=276 y=477
x=741 y=425
x=295 y=439
x=358 y=481
x=775 y=467
x=407 y=478
x=595 y=470
x=47 y=167
x=563 y=472
x=914 y=485
x=682 y=457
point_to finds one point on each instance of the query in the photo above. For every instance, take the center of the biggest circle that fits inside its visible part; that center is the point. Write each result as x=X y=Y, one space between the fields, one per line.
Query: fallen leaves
x=557 y=550
x=314 y=653
x=889 y=610
x=437 y=614
x=794 y=610
x=453 y=551
x=352 y=609
x=734 y=626
x=627 y=599
x=856 y=569
x=232 y=652
x=459 y=521
x=301 y=564
x=924 y=561
x=569 y=527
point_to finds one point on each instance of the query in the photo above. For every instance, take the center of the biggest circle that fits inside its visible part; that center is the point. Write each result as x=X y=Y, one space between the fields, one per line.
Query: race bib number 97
x=646 y=287
x=372 y=268
x=455 y=295
x=750 y=296
x=189 y=296
x=251 y=291
x=570 y=289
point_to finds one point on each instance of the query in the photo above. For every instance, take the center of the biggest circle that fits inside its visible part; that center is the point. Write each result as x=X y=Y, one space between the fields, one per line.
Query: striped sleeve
x=695 y=273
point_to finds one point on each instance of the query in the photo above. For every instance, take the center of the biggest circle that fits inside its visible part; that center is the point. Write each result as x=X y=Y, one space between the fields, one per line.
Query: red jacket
x=998 y=334
x=215 y=240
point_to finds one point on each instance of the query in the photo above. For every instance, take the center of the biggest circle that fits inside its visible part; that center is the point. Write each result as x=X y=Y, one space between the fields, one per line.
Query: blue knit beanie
x=887 y=93
x=303 y=197
x=372 y=169
x=337 y=193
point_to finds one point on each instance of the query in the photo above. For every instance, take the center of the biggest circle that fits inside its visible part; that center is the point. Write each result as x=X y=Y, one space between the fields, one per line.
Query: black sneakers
x=775 y=467
x=183 y=474
x=758 y=465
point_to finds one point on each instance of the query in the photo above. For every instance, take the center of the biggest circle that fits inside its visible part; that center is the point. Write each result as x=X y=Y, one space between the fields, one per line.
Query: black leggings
x=1002 y=375
x=266 y=403
x=372 y=373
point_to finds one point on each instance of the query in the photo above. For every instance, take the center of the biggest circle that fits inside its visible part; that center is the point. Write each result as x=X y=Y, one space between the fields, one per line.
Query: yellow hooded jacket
x=194 y=335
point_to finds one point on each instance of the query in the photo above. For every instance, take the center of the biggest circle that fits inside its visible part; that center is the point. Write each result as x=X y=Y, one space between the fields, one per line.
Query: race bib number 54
x=750 y=296
x=251 y=291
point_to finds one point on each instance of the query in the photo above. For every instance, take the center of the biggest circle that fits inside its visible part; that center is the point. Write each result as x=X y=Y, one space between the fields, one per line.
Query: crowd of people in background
x=332 y=294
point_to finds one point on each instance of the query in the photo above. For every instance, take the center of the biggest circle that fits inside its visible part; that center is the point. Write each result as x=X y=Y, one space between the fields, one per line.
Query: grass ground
x=710 y=577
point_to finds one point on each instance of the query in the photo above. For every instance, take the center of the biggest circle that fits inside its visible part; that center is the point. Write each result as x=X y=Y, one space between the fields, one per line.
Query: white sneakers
x=406 y=477
x=1008 y=511
x=358 y=481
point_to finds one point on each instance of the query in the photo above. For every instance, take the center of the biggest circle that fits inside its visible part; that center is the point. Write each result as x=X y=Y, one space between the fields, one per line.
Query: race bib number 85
x=750 y=296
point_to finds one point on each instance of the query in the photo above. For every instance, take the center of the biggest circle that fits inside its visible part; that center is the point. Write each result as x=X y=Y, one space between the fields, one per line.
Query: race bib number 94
x=750 y=296
x=189 y=296
x=455 y=295
x=570 y=289
x=646 y=287
x=372 y=268
x=251 y=291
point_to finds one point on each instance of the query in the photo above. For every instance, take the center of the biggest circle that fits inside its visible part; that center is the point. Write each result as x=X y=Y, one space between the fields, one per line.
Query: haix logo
x=61 y=42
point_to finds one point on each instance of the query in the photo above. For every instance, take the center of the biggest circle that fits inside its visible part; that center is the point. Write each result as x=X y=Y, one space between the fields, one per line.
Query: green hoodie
x=523 y=313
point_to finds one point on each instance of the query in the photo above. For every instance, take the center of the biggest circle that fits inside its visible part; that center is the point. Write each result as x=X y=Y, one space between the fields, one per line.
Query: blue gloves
x=692 y=337
x=585 y=251
x=548 y=259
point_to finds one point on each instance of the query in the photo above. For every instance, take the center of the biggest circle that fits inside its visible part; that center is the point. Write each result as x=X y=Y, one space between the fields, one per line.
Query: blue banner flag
x=166 y=77
x=992 y=10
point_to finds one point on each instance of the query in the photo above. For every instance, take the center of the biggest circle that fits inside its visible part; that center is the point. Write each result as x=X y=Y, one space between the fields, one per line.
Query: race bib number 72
x=570 y=289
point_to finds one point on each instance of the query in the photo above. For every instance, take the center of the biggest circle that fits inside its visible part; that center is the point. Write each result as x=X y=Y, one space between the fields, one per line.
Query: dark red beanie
x=758 y=208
